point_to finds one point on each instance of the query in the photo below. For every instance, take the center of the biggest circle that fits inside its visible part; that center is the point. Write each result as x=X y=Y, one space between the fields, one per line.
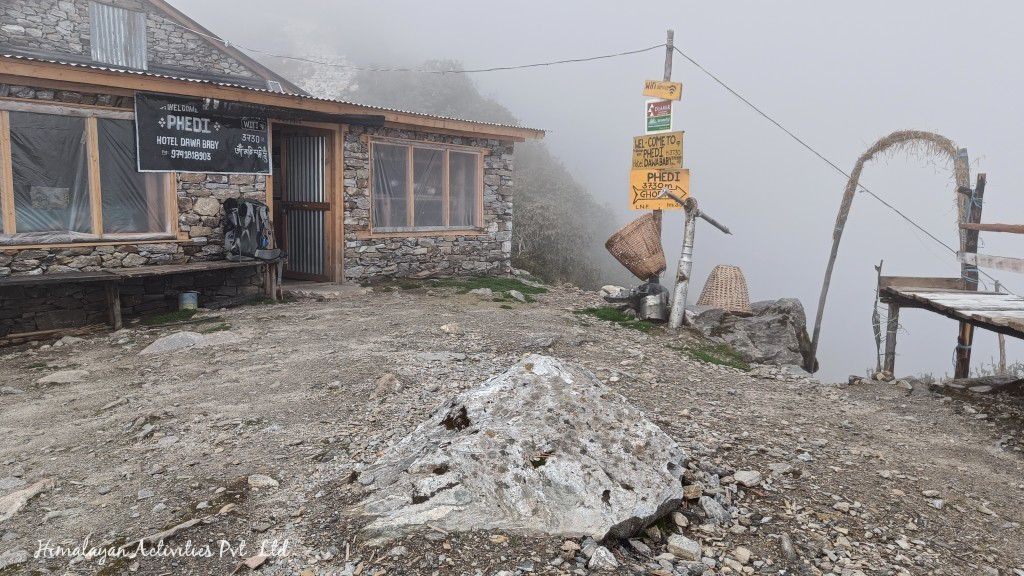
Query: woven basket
x=726 y=288
x=637 y=246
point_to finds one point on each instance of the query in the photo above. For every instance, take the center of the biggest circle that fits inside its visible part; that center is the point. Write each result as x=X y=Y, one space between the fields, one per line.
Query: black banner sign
x=182 y=134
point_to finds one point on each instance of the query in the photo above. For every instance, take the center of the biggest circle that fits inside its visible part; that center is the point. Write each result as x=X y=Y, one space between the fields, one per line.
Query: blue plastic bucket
x=188 y=300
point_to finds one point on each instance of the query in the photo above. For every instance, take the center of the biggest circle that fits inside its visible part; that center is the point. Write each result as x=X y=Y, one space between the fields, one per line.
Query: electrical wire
x=834 y=166
x=355 y=68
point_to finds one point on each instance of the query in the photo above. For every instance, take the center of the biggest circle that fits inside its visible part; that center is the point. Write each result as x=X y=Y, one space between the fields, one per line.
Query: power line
x=355 y=68
x=810 y=148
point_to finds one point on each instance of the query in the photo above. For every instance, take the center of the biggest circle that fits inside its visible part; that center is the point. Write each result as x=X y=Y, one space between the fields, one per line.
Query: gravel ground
x=255 y=443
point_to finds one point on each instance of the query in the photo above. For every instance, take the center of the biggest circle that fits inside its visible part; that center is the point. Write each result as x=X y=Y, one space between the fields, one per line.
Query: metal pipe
x=678 y=315
x=700 y=214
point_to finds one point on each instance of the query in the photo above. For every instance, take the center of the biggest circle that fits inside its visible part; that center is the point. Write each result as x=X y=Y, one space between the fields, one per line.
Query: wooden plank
x=339 y=202
x=910 y=299
x=446 y=192
x=113 y=294
x=366 y=235
x=119 y=242
x=920 y=282
x=56 y=278
x=975 y=203
x=1004 y=263
x=1008 y=228
x=95 y=195
x=194 y=267
x=63 y=109
x=410 y=187
x=6 y=175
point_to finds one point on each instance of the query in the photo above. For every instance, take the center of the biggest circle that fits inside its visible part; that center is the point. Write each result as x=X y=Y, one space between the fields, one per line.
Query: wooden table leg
x=114 y=304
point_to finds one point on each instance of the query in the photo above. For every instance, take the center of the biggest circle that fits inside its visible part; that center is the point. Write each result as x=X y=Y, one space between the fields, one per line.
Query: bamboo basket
x=637 y=246
x=726 y=288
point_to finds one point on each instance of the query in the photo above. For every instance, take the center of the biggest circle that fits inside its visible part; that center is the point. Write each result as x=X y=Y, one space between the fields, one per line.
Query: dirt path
x=862 y=479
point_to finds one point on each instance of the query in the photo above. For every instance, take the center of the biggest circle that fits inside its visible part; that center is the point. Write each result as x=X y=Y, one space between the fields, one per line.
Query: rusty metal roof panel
x=255 y=89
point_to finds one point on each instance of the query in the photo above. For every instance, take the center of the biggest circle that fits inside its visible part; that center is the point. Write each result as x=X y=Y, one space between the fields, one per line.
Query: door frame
x=334 y=180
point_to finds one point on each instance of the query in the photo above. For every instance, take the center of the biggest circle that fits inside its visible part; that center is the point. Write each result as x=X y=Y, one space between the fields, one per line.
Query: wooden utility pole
x=669 y=49
x=969 y=245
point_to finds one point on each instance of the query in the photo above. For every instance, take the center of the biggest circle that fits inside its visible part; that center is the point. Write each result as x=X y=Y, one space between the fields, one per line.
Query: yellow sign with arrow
x=645 y=187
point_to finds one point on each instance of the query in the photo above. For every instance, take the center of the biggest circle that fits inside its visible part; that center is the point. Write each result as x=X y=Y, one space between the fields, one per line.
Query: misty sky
x=841 y=75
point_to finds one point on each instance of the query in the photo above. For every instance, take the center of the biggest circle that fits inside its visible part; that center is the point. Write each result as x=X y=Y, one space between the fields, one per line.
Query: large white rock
x=64 y=377
x=544 y=448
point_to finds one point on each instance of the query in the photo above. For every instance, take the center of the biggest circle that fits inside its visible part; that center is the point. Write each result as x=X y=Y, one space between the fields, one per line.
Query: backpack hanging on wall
x=247 y=230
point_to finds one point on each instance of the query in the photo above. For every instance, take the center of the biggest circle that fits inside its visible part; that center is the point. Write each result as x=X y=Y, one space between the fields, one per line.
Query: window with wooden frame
x=71 y=175
x=425 y=187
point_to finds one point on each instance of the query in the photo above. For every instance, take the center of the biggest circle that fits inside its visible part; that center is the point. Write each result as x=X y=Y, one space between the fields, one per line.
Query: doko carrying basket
x=637 y=246
x=726 y=288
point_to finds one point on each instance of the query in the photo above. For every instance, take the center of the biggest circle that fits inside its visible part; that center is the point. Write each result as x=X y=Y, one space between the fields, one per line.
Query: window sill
x=419 y=233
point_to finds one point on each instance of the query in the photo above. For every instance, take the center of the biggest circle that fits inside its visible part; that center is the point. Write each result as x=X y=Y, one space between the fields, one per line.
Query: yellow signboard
x=646 y=185
x=658 y=151
x=663 y=89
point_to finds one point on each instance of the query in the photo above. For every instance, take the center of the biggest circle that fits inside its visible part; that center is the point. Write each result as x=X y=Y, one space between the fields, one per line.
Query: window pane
x=462 y=188
x=132 y=201
x=389 y=185
x=51 y=179
x=427 y=186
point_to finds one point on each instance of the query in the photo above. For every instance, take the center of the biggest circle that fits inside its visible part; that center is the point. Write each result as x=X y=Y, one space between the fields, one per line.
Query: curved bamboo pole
x=901 y=140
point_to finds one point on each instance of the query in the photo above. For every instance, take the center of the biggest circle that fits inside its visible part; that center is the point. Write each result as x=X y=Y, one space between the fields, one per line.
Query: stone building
x=125 y=126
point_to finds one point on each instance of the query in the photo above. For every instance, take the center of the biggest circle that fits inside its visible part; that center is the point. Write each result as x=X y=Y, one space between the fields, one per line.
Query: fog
x=839 y=75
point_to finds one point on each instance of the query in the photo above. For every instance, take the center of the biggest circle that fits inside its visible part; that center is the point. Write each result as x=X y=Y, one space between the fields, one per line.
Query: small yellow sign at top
x=663 y=89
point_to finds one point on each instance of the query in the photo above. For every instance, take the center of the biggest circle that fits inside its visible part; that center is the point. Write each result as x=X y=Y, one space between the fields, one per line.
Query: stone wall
x=486 y=253
x=62 y=26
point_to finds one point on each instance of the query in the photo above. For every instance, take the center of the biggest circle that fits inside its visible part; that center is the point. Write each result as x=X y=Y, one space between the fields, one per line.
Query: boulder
x=776 y=332
x=544 y=448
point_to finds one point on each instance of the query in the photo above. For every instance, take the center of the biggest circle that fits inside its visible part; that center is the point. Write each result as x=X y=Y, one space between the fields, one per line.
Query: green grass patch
x=721 y=354
x=613 y=314
x=495 y=283
x=507 y=306
x=218 y=327
x=169 y=317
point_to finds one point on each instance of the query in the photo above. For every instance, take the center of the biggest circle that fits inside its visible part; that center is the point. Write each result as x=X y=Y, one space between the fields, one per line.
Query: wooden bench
x=111 y=278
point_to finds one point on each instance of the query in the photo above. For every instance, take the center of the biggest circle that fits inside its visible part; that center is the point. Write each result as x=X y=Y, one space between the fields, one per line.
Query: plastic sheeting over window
x=133 y=202
x=51 y=175
x=462 y=195
x=390 y=169
x=430 y=189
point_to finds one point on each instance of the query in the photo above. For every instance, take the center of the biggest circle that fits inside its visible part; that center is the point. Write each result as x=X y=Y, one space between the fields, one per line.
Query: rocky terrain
x=241 y=448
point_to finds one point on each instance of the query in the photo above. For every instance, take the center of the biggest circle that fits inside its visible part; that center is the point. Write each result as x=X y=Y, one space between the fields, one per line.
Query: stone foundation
x=34 y=308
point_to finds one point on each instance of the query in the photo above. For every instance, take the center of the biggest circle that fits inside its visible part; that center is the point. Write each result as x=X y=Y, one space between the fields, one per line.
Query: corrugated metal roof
x=255 y=89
